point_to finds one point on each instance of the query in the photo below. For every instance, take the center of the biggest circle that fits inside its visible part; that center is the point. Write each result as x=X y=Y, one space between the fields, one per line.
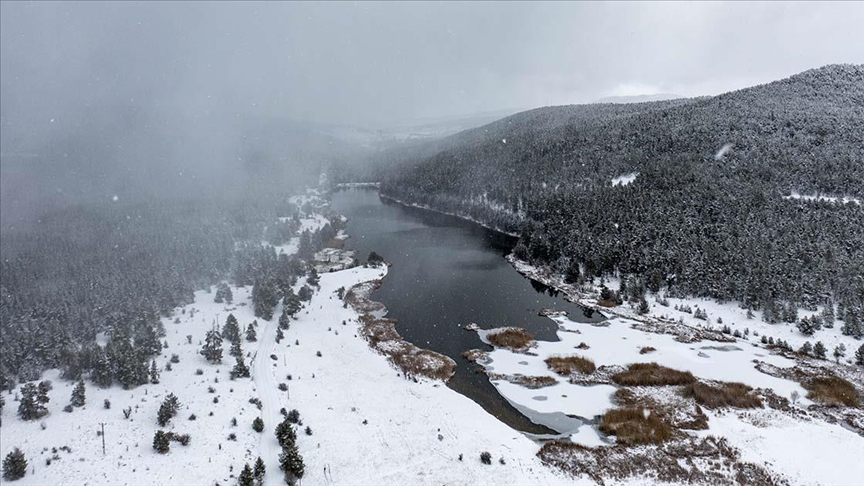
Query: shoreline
x=455 y=215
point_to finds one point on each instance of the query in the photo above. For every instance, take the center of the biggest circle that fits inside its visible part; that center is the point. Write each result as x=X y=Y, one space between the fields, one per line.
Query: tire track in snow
x=265 y=383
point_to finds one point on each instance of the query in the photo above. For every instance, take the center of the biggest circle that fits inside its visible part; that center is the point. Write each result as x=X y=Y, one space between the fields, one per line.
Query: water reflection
x=447 y=273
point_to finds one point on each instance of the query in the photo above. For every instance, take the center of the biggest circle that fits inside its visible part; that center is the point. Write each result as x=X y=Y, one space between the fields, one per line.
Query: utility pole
x=103 y=437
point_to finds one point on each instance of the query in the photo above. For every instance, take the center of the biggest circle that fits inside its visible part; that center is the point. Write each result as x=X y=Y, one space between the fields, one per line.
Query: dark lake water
x=446 y=273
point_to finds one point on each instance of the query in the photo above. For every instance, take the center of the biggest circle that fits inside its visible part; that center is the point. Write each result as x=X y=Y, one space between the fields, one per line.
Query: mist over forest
x=608 y=226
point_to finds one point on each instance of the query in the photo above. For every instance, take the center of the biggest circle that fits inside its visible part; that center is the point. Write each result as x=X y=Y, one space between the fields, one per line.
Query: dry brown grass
x=652 y=374
x=564 y=365
x=724 y=395
x=534 y=382
x=414 y=361
x=635 y=426
x=606 y=303
x=511 y=337
x=832 y=391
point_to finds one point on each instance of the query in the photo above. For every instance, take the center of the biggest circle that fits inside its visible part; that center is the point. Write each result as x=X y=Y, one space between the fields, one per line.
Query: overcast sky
x=362 y=62
x=98 y=99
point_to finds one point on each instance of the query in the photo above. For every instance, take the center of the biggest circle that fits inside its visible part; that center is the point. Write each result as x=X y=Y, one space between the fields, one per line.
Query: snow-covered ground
x=369 y=425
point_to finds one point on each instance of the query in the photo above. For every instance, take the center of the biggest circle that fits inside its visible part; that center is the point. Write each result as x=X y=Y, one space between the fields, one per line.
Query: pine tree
x=251 y=335
x=161 y=442
x=313 y=278
x=14 y=465
x=259 y=470
x=859 y=355
x=839 y=351
x=852 y=325
x=264 y=299
x=819 y=350
x=167 y=410
x=240 y=369
x=246 y=477
x=305 y=293
x=101 y=374
x=147 y=341
x=806 y=348
x=292 y=304
x=154 y=373
x=78 y=394
x=258 y=424
x=644 y=308
x=231 y=330
x=285 y=434
x=291 y=462
x=31 y=407
x=236 y=350
x=279 y=334
x=212 y=348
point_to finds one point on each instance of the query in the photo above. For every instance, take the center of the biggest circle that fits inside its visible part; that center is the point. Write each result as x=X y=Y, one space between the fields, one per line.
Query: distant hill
x=705 y=212
x=638 y=98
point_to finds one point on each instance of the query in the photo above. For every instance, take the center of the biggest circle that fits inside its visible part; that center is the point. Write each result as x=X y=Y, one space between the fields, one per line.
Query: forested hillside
x=706 y=213
x=117 y=269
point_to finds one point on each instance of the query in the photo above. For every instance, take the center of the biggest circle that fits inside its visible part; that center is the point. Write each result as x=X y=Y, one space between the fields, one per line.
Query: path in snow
x=265 y=385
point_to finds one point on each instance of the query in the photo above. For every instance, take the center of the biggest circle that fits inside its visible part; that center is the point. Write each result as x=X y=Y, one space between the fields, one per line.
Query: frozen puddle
x=619 y=344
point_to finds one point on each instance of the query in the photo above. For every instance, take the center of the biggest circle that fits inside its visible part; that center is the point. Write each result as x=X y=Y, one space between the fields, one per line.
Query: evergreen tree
x=78 y=394
x=251 y=335
x=285 y=434
x=161 y=442
x=839 y=351
x=231 y=330
x=644 y=308
x=31 y=406
x=101 y=374
x=819 y=350
x=167 y=410
x=246 y=477
x=258 y=424
x=806 y=348
x=859 y=355
x=259 y=470
x=154 y=373
x=279 y=334
x=291 y=462
x=14 y=465
x=240 y=369
x=264 y=298
x=146 y=340
x=808 y=326
x=212 y=348
x=305 y=293
x=291 y=305
x=852 y=325
x=313 y=278
x=236 y=350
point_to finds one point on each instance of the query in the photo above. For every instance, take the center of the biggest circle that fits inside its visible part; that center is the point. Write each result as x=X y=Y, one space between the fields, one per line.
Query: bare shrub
x=724 y=395
x=564 y=365
x=652 y=374
x=832 y=391
x=511 y=337
x=635 y=426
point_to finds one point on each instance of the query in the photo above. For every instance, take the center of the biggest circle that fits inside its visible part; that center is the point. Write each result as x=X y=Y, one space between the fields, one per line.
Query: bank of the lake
x=445 y=274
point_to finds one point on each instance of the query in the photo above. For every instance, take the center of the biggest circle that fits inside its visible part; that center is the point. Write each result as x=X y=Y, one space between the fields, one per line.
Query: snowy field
x=806 y=450
x=369 y=425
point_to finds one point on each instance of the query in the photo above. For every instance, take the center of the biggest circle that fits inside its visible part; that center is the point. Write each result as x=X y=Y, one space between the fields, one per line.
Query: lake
x=447 y=272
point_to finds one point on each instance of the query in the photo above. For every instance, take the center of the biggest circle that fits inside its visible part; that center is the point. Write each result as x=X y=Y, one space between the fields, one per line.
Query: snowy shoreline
x=455 y=215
